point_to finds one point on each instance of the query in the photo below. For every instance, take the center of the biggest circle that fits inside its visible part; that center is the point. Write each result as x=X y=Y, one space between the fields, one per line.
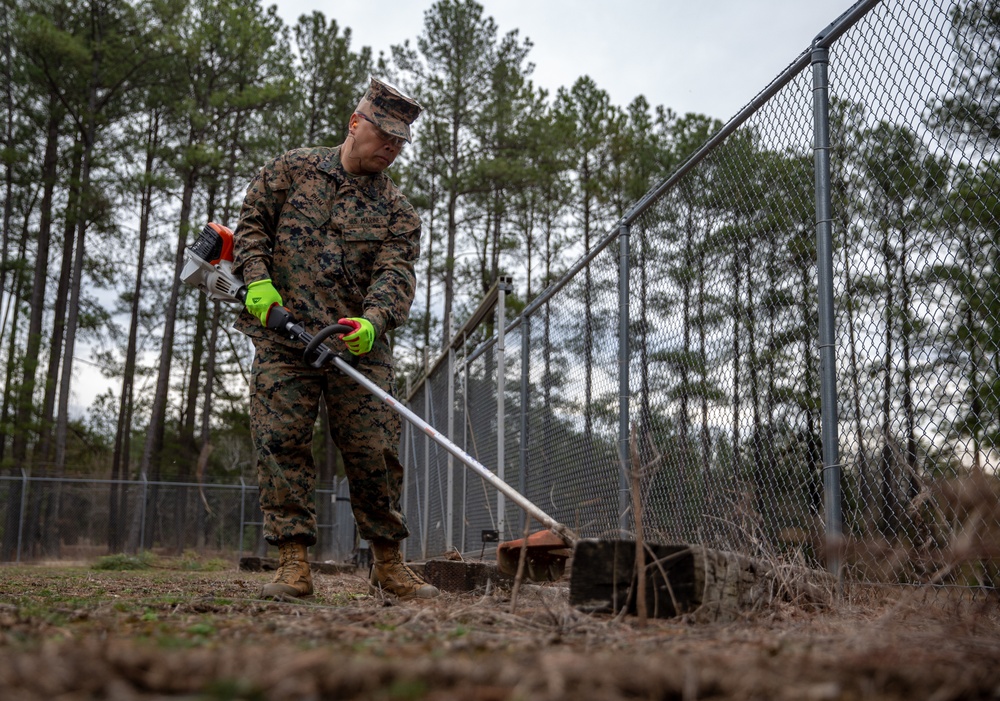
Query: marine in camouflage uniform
x=336 y=239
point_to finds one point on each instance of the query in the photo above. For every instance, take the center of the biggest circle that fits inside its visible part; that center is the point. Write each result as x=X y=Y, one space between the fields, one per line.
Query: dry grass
x=79 y=633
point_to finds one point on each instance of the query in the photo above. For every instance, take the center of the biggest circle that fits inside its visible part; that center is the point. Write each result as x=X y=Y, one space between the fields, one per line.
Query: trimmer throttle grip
x=280 y=319
x=316 y=353
x=316 y=344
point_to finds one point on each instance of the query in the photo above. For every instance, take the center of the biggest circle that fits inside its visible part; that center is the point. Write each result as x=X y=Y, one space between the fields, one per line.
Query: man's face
x=374 y=150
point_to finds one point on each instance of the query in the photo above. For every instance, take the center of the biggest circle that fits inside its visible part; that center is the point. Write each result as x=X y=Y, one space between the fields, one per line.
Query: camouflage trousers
x=284 y=405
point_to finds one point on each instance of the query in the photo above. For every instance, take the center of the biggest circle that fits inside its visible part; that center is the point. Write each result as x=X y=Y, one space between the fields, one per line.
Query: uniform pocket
x=361 y=249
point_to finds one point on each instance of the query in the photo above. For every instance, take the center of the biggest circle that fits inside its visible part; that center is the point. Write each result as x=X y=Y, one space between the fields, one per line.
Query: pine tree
x=450 y=72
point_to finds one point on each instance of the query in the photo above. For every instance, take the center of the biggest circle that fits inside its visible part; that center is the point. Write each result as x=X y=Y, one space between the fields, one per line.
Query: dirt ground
x=179 y=630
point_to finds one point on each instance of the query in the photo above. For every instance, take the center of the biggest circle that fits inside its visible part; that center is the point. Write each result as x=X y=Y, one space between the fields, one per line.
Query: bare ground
x=170 y=631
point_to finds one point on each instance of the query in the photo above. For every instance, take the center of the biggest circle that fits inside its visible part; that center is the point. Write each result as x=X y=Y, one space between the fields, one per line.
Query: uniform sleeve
x=387 y=302
x=253 y=240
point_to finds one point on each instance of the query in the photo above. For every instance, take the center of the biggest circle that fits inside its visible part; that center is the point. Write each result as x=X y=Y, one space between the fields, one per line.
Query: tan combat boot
x=390 y=575
x=293 y=578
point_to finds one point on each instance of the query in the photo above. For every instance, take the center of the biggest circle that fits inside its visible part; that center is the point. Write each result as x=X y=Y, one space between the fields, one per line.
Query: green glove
x=361 y=339
x=261 y=296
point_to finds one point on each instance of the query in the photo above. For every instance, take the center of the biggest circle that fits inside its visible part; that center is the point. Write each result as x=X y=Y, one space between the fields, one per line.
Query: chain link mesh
x=47 y=518
x=914 y=177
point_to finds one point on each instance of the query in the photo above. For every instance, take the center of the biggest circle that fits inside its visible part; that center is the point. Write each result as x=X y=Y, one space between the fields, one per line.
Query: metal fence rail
x=807 y=360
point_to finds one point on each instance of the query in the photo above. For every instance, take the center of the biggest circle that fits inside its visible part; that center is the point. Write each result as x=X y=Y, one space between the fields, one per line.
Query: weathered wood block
x=713 y=585
x=603 y=577
x=464 y=575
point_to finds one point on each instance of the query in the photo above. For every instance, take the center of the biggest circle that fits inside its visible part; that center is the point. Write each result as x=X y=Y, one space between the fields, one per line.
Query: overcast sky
x=705 y=56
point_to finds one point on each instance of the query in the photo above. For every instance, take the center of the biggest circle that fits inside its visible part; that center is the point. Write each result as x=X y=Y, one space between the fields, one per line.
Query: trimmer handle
x=316 y=345
x=316 y=353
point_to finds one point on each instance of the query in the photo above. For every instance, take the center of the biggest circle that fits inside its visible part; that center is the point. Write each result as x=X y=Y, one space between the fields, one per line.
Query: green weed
x=204 y=629
x=408 y=689
x=232 y=690
x=192 y=562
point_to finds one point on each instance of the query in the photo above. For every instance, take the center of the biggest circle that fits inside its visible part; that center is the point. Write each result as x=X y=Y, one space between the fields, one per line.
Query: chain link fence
x=807 y=363
x=47 y=518
x=914 y=180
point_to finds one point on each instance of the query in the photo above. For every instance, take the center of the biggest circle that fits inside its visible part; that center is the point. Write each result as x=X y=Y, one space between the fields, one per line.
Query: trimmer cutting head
x=545 y=556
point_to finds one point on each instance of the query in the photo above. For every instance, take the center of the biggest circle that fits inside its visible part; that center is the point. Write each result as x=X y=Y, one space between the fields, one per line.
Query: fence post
x=405 y=454
x=827 y=345
x=449 y=508
x=243 y=502
x=623 y=379
x=20 y=515
x=142 y=514
x=465 y=445
x=427 y=462
x=501 y=313
x=522 y=478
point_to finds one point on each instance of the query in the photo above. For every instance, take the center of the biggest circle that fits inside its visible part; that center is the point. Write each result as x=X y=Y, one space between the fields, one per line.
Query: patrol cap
x=390 y=110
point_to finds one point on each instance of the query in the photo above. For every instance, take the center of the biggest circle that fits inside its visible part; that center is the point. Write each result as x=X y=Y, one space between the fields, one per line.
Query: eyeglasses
x=394 y=141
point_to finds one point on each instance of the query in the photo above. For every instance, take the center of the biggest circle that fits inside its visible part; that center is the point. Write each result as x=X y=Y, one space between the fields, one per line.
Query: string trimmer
x=208 y=266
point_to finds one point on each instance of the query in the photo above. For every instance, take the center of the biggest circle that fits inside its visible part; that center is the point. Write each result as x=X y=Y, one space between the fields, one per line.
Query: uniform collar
x=369 y=184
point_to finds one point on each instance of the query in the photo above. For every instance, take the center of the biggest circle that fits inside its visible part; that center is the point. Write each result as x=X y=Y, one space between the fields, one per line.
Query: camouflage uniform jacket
x=334 y=244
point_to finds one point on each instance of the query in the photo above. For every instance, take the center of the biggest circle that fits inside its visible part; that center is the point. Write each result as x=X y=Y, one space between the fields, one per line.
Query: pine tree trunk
x=154 y=437
x=123 y=433
x=73 y=317
x=8 y=203
x=23 y=423
x=46 y=447
x=8 y=540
